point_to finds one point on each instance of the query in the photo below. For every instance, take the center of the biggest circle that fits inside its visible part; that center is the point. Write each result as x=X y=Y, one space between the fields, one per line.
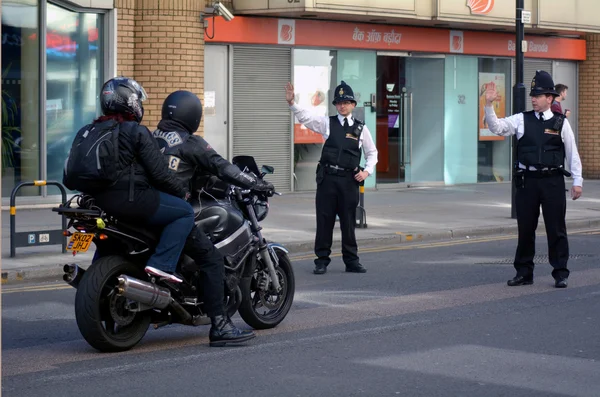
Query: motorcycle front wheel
x=102 y=316
x=262 y=309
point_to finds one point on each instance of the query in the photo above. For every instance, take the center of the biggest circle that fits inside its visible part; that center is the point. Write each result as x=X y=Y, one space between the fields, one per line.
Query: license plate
x=80 y=242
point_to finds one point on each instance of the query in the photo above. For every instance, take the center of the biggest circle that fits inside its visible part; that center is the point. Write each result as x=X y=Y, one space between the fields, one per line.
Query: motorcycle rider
x=190 y=156
x=144 y=191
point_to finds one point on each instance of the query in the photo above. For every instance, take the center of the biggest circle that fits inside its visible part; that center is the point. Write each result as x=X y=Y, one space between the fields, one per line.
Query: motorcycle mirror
x=267 y=169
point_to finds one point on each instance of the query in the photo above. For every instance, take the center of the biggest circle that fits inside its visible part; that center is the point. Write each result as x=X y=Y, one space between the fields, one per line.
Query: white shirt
x=320 y=124
x=515 y=125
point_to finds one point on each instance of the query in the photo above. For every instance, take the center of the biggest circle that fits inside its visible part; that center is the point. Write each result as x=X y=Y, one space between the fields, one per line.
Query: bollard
x=38 y=237
x=361 y=214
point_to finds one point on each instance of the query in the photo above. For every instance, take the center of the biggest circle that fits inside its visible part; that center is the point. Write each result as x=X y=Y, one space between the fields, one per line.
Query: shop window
x=493 y=152
x=20 y=95
x=314 y=82
x=74 y=64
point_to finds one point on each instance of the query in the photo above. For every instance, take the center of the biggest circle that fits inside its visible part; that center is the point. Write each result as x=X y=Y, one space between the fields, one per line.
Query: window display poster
x=311 y=85
x=487 y=80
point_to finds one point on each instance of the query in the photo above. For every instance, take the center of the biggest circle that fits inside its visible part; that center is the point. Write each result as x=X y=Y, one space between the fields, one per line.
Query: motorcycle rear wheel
x=266 y=309
x=101 y=316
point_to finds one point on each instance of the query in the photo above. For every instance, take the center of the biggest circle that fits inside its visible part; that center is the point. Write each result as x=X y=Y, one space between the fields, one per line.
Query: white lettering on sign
x=392 y=37
x=358 y=35
x=532 y=46
x=537 y=47
x=374 y=36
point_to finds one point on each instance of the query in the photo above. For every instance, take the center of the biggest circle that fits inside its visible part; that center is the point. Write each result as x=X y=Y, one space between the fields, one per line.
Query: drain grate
x=536 y=259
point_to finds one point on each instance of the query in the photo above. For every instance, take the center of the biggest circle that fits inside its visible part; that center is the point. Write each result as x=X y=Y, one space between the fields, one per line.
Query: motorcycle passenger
x=190 y=156
x=145 y=191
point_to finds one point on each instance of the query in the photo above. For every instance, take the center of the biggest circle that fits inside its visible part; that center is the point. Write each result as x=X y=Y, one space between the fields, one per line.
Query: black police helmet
x=542 y=84
x=183 y=107
x=122 y=95
x=343 y=92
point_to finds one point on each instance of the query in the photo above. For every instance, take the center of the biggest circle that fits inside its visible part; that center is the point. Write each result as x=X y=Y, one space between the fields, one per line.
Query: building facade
x=418 y=70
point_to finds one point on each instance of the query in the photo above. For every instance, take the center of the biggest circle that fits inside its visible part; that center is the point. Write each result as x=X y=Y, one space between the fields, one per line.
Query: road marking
x=50 y=287
x=297 y=258
x=51 y=356
x=512 y=368
x=209 y=355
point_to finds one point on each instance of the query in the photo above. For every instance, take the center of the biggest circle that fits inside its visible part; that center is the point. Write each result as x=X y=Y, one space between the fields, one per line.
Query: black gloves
x=263 y=186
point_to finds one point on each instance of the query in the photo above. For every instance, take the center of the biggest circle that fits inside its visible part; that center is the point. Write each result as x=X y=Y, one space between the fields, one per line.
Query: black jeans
x=549 y=192
x=337 y=194
x=211 y=263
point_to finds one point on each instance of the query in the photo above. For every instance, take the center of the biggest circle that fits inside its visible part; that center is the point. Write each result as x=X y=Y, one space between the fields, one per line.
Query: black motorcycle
x=118 y=297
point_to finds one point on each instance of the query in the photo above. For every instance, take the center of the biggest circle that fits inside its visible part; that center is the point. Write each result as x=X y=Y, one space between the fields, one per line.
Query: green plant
x=9 y=115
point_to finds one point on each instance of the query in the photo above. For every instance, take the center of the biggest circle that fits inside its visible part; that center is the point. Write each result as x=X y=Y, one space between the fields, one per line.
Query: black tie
x=346 y=126
x=542 y=116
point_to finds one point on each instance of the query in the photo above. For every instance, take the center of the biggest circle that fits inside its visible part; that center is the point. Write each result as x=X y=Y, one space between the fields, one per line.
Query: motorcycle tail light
x=102 y=236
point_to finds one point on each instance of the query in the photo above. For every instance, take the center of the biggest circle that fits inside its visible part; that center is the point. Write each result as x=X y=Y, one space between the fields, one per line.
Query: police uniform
x=337 y=190
x=545 y=140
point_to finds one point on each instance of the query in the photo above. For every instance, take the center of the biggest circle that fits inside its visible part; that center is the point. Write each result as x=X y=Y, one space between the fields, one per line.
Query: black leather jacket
x=191 y=156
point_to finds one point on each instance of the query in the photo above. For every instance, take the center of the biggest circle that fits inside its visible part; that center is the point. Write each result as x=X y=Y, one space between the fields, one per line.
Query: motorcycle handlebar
x=239 y=193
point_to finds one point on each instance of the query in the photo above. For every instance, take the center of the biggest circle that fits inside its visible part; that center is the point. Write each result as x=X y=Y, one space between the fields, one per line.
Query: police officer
x=338 y=174
x=545 y=139
x=190 y=156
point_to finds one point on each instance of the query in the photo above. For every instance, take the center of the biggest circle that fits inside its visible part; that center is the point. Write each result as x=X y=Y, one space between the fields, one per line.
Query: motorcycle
x=118 y=297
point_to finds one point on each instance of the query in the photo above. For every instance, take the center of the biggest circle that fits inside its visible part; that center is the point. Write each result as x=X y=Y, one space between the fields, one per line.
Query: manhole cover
x=536 y=259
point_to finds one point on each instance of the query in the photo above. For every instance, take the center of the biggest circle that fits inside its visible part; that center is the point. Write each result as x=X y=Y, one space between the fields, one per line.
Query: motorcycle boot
x=223 y=332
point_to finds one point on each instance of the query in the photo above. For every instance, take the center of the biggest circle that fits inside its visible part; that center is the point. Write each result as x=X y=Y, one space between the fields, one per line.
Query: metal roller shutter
x=531 y=65
x=261 y=116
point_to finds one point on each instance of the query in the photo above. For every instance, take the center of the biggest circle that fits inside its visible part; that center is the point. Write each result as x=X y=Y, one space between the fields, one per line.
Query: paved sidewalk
x=394 y=216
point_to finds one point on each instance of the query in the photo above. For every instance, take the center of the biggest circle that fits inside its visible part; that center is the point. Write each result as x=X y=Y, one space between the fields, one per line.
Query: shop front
x=419 y=90
x=50 y=85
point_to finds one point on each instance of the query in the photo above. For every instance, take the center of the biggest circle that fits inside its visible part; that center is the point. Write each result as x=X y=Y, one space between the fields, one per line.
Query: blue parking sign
x=31 y=238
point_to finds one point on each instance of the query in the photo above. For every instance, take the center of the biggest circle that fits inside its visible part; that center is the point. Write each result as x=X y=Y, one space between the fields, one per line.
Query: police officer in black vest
x=545 y=139
x=338 y=174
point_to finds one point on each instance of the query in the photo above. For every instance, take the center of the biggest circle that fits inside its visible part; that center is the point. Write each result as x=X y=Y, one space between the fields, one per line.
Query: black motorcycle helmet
x=123 y=95
x=185 y=108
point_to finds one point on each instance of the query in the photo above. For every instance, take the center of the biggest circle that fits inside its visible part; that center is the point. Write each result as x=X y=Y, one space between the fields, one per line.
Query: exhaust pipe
x=146 y=293
x=151 y=295
x=73 y=275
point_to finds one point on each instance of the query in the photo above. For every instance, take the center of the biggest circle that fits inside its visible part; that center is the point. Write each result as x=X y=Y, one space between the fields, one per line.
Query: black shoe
x=520 y=280
x=561 y=283
x=223 y=331
x=358 y=268
x=320 y=269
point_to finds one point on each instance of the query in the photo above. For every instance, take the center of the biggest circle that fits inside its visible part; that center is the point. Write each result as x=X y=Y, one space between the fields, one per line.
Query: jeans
x=177 y=217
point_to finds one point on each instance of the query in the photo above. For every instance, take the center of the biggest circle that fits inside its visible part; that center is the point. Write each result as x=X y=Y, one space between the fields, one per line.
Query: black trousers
x=211 y=263
x=337 y=194
x=549 y=192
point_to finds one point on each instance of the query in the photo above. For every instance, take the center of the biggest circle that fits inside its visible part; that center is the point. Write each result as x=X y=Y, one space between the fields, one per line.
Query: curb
x=54 y=271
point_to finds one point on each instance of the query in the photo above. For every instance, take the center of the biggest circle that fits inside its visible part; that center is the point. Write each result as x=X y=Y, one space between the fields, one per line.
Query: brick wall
x=589 y=102
x=161 y=45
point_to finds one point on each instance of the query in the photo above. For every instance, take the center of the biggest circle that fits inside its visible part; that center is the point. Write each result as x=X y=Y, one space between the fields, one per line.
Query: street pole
x=518 y=92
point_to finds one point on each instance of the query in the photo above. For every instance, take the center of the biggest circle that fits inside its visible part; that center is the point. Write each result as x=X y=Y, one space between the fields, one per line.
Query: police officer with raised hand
x=545 y=139
x=338 y=174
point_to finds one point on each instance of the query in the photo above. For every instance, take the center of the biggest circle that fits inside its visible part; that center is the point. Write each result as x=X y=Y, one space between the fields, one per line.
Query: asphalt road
x=426 y=320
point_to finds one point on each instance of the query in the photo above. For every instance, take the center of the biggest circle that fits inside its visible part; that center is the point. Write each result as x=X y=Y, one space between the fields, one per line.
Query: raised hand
x=289 y=93
x=491 y=94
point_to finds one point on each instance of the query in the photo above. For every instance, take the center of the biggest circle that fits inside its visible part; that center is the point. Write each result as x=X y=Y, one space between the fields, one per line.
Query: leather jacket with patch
x=191 y=157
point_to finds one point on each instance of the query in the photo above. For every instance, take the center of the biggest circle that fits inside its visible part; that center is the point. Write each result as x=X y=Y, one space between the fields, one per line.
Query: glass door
x=393 y=135
x=410 y=119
